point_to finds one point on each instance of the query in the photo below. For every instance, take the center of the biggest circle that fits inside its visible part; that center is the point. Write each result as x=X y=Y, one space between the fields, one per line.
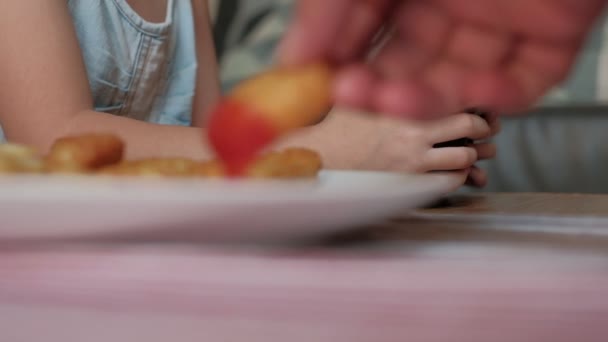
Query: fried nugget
x=19 y=159
x=159 y=167
x=266 y=107
x=84 y=153
x=291 y=163
x=288 y=97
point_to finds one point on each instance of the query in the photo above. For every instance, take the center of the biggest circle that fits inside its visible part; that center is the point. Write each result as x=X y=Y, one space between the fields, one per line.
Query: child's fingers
x=456 y=127
x=485 y=151
x=449 y=158
x=492 y=119
x=477 y=177
x=494 y=122
x=461 y=175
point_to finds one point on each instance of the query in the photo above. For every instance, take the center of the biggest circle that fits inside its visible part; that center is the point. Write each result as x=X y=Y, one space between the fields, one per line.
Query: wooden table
x=525 y=204
x=524 y=224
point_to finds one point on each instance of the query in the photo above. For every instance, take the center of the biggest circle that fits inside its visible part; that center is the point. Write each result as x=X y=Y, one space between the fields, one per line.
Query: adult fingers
x=365 y=20
x=314 y=30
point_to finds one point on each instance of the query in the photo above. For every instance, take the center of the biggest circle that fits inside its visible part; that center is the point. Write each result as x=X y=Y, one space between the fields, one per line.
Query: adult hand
x=441 y=56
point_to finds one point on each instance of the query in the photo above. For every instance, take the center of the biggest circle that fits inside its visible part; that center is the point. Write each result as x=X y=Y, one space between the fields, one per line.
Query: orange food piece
x=291 y=163
x=264 y=108
x=102 y=155
x=288 y=97
x=84 y=152
x=160 y=167
x=20 y=159
x=288 y=164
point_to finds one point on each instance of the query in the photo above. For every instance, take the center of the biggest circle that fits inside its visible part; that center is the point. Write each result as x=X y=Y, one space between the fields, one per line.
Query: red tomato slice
x=238 y=134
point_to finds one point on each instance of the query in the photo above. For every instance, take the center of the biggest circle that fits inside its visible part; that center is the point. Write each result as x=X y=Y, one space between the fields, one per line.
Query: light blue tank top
x=138 y=69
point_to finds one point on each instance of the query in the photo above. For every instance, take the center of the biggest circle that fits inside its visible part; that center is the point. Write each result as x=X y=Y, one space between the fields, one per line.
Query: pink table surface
x=151 y=294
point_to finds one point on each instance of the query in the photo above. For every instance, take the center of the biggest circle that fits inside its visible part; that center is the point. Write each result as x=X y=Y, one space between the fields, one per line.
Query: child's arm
x=208 y=85
x=44 y=92
x=350 y=140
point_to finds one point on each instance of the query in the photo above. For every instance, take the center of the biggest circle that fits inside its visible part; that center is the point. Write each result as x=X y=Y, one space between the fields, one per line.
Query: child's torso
x=140 y=57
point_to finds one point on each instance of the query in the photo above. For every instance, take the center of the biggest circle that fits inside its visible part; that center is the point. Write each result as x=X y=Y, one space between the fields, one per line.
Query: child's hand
x=359 y=141
x=478 y=177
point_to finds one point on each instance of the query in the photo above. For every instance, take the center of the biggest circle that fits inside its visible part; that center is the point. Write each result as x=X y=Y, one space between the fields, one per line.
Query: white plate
x=86 y=207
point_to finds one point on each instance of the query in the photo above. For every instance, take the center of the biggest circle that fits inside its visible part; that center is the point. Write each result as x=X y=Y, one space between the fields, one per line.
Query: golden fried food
x=19 y=159
x=289 y=97
x=84 y=153
x=291 y=163
x=98 y=154
x=168 y=167
x=262 y=109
